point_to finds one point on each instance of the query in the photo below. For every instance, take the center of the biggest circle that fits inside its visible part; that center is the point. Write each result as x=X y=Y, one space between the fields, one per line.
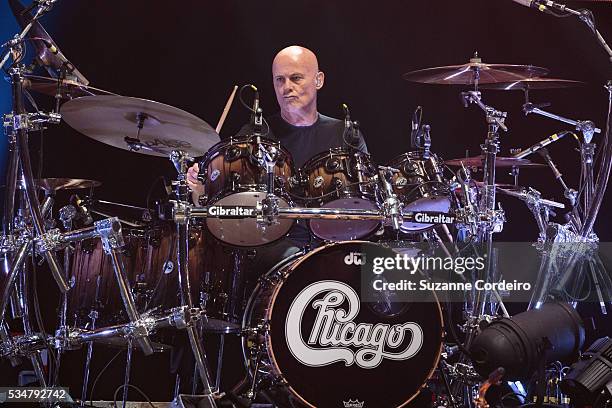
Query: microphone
x=415 y=125
x=257 y=113
x=541 y=144
x=347 y=116
x=542 y=5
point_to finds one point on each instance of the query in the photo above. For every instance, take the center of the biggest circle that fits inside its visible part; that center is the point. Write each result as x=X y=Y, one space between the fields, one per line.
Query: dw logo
x=355 y=258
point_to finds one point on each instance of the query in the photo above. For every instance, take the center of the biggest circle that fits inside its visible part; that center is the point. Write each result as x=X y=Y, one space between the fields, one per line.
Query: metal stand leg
x=179 y=160
x=219 y=363
x=128 y=366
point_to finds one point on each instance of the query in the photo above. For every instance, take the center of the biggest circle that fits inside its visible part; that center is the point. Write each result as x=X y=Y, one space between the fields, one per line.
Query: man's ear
x=319 y=79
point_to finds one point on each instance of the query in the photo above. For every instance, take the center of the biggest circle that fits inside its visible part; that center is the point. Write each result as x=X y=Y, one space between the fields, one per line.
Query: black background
x=190 y=54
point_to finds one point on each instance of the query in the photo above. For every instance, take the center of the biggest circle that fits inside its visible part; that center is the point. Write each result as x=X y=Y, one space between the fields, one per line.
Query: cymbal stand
x=490 y=219
x=181 y=162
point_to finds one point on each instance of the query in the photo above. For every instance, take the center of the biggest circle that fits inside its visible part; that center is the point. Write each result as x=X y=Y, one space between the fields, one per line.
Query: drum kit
x=123 y=285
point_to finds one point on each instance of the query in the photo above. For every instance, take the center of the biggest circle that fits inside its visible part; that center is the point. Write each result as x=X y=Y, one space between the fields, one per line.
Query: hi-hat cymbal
x=500 y=161
x=54 y=184
x=533 y=83
x=68 y=89
x=473 y=72
x=139 y=125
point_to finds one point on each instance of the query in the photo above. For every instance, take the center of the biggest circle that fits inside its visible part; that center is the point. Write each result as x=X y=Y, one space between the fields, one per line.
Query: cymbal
x=534 y=83
x=507 y=186
x=474 y=71
x=54 y=184
x=68 y=89
x=500 y=161
x=115 y=120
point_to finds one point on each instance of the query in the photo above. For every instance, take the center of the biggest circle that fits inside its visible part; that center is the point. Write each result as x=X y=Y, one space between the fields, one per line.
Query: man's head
x=296 y=77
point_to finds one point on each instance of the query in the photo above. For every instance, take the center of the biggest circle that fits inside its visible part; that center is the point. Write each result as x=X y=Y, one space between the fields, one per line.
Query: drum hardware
x=586 y=127
x=180 y=161
x=391 y=205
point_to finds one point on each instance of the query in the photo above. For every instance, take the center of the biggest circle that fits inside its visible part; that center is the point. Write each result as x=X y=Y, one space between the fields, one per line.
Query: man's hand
x=196 y=186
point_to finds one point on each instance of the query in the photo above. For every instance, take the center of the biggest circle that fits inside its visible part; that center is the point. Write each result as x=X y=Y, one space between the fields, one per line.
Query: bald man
x=299 y=126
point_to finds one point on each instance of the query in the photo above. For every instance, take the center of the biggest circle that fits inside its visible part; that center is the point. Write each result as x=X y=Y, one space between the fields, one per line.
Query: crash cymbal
x=68 y=89
x=54 y=184
x=474 y=71
x=533 y=83
x=500 y=161
x=139 y=125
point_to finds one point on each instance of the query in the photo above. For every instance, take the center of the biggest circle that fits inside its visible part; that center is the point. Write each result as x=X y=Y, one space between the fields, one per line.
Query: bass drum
x=323 y=346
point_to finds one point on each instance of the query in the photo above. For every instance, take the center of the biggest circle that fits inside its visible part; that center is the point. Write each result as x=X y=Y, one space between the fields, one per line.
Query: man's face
x=296 y=81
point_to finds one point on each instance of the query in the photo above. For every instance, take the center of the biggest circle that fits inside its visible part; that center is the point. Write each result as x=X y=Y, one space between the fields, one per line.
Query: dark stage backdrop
x=190 y=54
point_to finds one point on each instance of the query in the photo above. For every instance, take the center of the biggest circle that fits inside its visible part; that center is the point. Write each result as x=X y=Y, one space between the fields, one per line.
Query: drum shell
x=340 y=178
x=260 y=312
x=229 y=167
x=149 y=257
x=232 y=177
x=420 y=186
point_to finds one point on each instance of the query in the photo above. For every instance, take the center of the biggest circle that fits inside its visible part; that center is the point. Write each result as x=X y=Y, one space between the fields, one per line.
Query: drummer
x=299 y=127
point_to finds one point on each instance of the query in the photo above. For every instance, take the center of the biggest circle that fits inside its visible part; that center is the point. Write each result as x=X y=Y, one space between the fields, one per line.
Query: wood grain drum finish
x=234 y=178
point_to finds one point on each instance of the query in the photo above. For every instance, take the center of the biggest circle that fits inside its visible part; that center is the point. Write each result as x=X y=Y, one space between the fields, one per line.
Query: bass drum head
x=334 y=350
x=244 y=232
x=434 y=203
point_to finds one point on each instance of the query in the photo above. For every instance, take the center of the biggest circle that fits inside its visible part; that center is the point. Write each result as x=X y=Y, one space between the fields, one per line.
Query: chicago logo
x=334 y=330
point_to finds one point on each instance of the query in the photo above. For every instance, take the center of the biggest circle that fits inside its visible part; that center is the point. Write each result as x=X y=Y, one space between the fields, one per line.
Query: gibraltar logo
x=334 y=331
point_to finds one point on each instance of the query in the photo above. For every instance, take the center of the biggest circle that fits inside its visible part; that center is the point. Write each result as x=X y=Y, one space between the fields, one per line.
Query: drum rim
x=333 y=151
x=272 y=300
x=214 y=150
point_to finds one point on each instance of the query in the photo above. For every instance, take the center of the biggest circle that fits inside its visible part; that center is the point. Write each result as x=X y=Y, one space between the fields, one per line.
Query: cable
x=93 y=387
x=141 y=392
x=250 y=109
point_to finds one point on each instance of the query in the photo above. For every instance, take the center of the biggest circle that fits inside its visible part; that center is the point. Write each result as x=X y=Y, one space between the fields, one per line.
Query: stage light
x=518 y=344
x=592 y=375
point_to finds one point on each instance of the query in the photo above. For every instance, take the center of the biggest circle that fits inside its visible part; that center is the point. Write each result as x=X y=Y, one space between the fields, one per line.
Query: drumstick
x=226 y=110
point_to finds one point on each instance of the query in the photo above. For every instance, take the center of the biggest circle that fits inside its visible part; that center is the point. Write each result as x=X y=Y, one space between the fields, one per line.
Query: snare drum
x=233 y=177
x=341 y=178
x=420 y=186
x=320 y=331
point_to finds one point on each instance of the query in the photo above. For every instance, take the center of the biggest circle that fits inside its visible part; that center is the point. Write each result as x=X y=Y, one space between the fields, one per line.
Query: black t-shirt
x=304 y=142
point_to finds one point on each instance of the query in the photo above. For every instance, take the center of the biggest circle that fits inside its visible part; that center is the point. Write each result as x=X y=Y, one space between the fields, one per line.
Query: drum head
x=335 y=350
x=245 y=232
x=433 y=203
x=342 y=230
